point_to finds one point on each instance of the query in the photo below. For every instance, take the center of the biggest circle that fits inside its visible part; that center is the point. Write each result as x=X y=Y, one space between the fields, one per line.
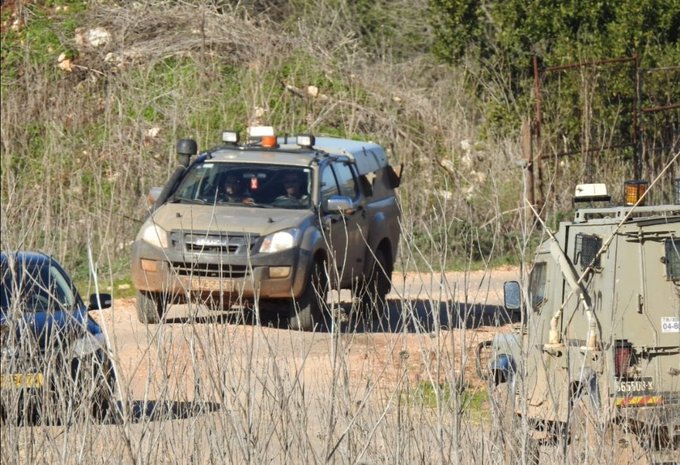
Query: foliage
x=596 y=110
x=558 y=32
x=431 y=395
x=507 y=34
x=81 y=148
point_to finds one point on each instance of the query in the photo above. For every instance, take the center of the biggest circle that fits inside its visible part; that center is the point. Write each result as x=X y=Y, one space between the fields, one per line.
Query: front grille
x=212 y=249
x=198 y=242
x=210 y=270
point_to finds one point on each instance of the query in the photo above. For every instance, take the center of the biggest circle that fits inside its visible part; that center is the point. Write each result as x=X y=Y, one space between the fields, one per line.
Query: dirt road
x=205 y=388
x=424 y=312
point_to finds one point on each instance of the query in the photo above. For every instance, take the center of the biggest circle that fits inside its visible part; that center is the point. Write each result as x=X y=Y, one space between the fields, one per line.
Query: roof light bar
x=269 y=142
x=591 y=193
x=230 y=137
x=256 y=132
x=306 y=140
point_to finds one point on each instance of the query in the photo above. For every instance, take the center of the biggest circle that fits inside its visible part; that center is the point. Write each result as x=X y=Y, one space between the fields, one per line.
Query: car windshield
x=246 y=185
x=35 y=288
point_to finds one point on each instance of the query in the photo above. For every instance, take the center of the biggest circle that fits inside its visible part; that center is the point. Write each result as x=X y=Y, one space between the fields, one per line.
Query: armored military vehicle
x=595 y=365
x=270 y=224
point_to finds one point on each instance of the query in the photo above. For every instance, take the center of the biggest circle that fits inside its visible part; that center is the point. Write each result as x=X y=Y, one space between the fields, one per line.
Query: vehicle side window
x=672 y=259
x=60 y=289
x=346 y=181
x=328 y=184
x=537 y=280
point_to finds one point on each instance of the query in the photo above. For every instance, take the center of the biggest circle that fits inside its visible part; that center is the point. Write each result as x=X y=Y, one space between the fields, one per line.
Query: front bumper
x=189 y=274
x=25 y=370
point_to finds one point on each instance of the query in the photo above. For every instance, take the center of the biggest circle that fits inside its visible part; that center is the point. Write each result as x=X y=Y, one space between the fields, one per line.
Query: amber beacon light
x=634 y=190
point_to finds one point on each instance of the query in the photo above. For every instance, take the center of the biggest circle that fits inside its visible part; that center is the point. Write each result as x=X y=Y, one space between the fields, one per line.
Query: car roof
x=280 y=156
x=25 y=256
x=368 y=156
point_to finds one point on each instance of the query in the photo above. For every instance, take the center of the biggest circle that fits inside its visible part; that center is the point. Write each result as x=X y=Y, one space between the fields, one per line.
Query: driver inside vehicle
x=294 y=197
x=232 y=191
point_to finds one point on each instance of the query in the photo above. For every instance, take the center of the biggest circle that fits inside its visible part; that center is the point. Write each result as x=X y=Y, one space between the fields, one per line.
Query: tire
x=309 y=309
x=508 y=428
x=93 y=386
x=594 y=440
x=102 y=404
x=81 y=389
x=150 y=307
x=377 y=284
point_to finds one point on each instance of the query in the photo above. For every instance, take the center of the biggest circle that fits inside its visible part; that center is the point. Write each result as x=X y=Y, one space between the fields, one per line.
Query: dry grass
x=81 y=149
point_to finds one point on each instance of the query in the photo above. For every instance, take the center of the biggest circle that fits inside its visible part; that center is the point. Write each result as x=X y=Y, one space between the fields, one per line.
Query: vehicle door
x=346 y=232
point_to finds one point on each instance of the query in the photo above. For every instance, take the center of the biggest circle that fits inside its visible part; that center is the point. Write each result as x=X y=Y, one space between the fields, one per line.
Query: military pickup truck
x=270 y=224
x=595 y=365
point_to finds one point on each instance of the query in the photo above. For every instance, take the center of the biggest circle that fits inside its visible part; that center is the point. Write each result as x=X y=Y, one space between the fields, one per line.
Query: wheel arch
x=502 y=368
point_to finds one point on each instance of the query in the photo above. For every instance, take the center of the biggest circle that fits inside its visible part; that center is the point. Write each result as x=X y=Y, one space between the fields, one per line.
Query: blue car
x=55 y=365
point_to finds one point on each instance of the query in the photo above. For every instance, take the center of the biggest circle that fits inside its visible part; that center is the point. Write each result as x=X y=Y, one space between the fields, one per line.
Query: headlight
x=154 y=235
x=282 y=240
x=88 y=344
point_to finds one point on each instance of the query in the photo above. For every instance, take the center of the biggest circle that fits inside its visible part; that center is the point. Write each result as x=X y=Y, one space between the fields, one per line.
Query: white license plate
x=637 y=386
x=203 y=283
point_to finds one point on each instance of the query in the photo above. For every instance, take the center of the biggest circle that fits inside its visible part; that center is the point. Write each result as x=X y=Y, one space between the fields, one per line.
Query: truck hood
x=235 y=219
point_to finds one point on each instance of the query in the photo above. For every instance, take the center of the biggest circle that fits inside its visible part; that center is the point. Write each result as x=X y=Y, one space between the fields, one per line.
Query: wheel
x=309 y=309
x=594 y=440
x=508 y=428
x=92 y=386
x=102 y=403
x=150 y=307
x=377 y=283
x=78 y=390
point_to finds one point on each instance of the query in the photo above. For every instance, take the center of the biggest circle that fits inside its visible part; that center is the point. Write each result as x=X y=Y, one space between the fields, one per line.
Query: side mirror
x=512 y=296
x=186 y=148
x=100 y=301
x=337 y=204
x=154 y=193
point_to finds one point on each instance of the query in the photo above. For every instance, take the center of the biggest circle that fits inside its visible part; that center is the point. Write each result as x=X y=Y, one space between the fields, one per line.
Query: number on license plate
x=21 y=380
x=637 y=386
x=200 y=283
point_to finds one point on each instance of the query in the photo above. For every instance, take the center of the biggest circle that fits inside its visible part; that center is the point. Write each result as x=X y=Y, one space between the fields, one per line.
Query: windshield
x=247 y=185
x=35 y=287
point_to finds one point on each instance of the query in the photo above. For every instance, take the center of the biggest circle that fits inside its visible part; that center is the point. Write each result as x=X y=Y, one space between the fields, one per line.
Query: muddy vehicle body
x=272 y=224
x=595 y=365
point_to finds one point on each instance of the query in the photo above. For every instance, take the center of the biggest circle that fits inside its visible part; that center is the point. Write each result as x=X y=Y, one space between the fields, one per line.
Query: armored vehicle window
x=537 y=280
x=328 y=184
x=346 y=180
x=586 y=249
x=673 y=259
